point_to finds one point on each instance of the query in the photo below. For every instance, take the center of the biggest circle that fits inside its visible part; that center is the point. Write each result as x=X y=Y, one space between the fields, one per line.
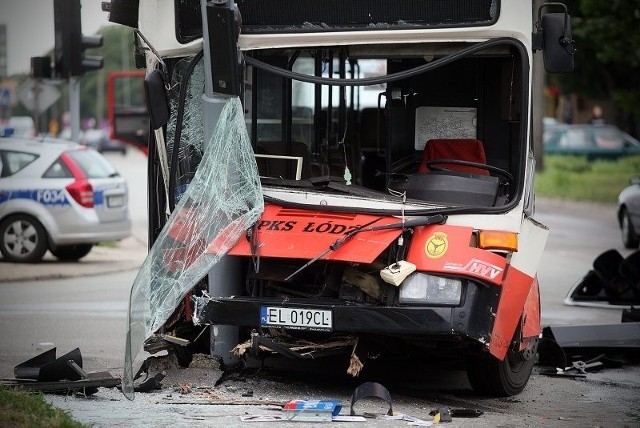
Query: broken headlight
x=430 y=289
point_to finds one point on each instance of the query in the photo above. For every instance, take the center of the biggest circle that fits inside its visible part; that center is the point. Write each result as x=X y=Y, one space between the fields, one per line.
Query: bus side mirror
x=553 y=37
x=224 y=23
x=156 y=99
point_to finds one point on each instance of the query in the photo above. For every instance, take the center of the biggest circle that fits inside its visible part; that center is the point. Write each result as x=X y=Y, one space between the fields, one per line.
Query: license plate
x=115 y=201
x=296 y=318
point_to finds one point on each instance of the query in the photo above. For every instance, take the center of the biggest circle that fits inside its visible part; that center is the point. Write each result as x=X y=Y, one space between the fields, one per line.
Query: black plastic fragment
x=371 y=389
x=46 y=373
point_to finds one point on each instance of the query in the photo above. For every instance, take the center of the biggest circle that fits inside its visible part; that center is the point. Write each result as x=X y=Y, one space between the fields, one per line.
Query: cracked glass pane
x=191 y=144
x=223 y=199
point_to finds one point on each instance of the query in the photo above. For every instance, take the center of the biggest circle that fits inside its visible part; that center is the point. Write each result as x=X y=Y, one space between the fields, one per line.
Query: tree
x=607 y=60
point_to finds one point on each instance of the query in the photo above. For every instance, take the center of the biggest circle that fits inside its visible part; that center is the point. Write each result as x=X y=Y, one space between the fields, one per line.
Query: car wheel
x=492 y=377
x=629 y=236
x=71 y=252
x=22 y=239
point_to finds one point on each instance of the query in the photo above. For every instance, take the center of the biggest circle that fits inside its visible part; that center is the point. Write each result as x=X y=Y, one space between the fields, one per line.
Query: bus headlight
x=429 y=289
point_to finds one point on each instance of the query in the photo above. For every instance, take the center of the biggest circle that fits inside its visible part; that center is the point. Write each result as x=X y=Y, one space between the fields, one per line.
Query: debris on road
x=311 y=410
x=65 y=374
x=623 y=336
x=152 y=383
x=575 y=351
x=202 y=372
x=614 y=282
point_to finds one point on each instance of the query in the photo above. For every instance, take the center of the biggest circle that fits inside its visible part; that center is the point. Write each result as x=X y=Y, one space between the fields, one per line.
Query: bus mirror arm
x=553 y=37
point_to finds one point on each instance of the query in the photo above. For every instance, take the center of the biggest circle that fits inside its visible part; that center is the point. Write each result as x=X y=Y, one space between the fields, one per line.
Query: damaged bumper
x=472 y=318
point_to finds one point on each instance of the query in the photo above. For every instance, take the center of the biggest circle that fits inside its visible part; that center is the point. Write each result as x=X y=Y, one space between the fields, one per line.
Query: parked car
x=592 y=141
x=59 y=196
x=22 y=126
x=99 y=140
x=629 y=213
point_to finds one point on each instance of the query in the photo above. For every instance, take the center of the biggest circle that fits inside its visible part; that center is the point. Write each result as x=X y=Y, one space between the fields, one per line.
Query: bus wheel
x=492 y=377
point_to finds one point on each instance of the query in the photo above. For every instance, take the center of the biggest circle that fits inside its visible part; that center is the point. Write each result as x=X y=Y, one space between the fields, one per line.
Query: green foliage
x=117 y=50
x=573 y=177
x=608 y=52
x=26 y=409
x=612 y=26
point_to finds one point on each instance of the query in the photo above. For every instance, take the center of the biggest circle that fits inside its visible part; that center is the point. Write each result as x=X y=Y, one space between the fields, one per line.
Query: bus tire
x=491 y=377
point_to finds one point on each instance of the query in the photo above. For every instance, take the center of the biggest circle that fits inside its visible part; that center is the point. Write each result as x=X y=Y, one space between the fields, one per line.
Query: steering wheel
x=499 y=171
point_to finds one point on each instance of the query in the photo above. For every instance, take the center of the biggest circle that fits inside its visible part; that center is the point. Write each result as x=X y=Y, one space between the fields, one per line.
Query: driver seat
x=466 y=149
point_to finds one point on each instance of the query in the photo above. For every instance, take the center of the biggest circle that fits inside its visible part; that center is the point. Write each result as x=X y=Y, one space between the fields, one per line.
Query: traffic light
x=70 y=44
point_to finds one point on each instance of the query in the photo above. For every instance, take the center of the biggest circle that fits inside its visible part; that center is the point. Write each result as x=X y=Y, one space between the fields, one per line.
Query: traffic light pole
x=74 y=107
x=70 y=60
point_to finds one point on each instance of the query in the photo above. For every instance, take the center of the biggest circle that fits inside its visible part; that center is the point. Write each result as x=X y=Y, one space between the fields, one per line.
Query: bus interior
x=382 y=136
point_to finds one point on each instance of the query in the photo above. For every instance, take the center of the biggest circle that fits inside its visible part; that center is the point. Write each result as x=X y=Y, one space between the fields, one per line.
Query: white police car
x=59 y=196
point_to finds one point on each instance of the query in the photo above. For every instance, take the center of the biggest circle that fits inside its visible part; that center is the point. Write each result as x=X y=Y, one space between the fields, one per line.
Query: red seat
x=465 y=149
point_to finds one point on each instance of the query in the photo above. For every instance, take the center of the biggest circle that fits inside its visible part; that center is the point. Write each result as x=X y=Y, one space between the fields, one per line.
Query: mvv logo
x=482 y=268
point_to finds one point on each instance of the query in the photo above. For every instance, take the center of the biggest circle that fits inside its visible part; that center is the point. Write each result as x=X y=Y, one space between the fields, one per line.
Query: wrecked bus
x=355 y=177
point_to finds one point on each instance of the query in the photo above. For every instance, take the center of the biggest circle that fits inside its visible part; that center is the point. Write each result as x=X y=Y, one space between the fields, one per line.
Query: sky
x=30 y=28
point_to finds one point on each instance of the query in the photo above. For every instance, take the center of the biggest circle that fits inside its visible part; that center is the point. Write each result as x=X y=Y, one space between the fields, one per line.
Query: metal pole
x=74 y=107
x=225 y=277
x=36 y=106
x=537 y=99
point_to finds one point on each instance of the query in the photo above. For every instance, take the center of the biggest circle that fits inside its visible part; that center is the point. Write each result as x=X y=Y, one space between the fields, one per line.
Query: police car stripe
x=49 y=197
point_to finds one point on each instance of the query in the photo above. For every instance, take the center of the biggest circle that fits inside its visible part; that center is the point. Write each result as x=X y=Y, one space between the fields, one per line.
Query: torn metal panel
x=221 y=202
x=619 y=336
x=294 y=348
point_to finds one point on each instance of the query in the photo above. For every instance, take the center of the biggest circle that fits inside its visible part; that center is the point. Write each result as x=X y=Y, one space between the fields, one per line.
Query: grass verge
x=109 y=244
x=575 y=178
x=28 y=409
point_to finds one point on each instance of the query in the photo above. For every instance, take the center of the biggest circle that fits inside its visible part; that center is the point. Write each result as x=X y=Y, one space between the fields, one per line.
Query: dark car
x=592 y=141
x=629 y=213
x=99 y=140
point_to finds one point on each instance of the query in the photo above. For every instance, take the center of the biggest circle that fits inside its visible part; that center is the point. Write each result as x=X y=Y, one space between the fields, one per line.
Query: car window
x=58 y=170
x=575 y=138
x=93 y=164
x=13 y=162
x=608 y=138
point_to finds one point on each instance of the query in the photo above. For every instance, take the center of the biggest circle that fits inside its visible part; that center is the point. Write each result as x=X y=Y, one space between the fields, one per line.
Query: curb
x=128 y=254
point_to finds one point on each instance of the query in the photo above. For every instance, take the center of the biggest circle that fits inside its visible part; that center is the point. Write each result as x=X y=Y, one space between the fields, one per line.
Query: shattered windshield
x=222 y=200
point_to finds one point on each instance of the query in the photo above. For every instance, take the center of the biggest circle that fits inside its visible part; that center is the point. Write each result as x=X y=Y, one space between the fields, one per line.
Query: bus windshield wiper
x=421 y=221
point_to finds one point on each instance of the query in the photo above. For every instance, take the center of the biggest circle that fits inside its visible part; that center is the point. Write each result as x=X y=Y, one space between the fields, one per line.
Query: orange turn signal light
x=498 y=240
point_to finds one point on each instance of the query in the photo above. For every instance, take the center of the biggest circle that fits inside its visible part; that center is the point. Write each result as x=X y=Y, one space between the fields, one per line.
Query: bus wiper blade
x=421 y=221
